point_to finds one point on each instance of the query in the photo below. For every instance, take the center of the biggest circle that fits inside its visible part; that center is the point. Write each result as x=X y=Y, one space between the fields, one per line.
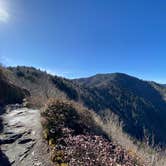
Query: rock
x=11 y=139
x=4 y=161
x=21 y=136
x=24 y=141
x=37 y=164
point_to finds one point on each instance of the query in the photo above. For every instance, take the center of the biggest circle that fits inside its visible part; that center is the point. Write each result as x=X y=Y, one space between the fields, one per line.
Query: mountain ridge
x=136 y=102
x=128 y=110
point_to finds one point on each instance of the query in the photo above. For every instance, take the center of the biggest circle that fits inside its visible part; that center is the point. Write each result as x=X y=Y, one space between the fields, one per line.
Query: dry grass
x=66 y=121
x=112 y=127
x=150 y=156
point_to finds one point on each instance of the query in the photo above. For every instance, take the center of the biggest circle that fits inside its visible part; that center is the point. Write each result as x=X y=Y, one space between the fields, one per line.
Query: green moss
x=45 y=134
x=51 y=142
x=57 y=157
x=64 y=164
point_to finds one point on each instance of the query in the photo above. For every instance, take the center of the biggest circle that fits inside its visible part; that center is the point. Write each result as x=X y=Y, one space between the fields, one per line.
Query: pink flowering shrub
x=76 y=140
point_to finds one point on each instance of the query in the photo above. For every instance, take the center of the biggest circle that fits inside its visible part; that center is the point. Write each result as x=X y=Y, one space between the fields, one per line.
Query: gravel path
x=21 y=139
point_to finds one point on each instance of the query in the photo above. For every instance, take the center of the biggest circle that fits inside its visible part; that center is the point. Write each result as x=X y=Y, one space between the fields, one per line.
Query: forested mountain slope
x=139 y=105
x=9 y=93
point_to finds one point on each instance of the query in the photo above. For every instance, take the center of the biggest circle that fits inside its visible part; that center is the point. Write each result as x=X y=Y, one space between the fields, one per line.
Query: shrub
x=66 y=114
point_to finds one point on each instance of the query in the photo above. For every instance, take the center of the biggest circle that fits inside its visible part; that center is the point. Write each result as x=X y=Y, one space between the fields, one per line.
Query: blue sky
x=79 y=38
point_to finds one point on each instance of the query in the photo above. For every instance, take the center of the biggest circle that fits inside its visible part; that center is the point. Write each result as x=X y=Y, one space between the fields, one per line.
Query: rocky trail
x=21 y=140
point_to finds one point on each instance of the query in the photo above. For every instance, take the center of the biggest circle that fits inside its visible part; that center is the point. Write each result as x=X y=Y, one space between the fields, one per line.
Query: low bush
x=61 y=114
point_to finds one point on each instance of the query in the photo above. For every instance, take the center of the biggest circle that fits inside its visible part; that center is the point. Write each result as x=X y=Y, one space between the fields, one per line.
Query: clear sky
x=78 y=38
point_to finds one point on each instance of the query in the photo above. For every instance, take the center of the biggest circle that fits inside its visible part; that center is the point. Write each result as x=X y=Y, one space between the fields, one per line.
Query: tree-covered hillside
x=139 y=105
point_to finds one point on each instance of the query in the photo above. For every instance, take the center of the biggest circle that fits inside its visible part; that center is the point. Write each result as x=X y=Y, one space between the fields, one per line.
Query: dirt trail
x=21 y=139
